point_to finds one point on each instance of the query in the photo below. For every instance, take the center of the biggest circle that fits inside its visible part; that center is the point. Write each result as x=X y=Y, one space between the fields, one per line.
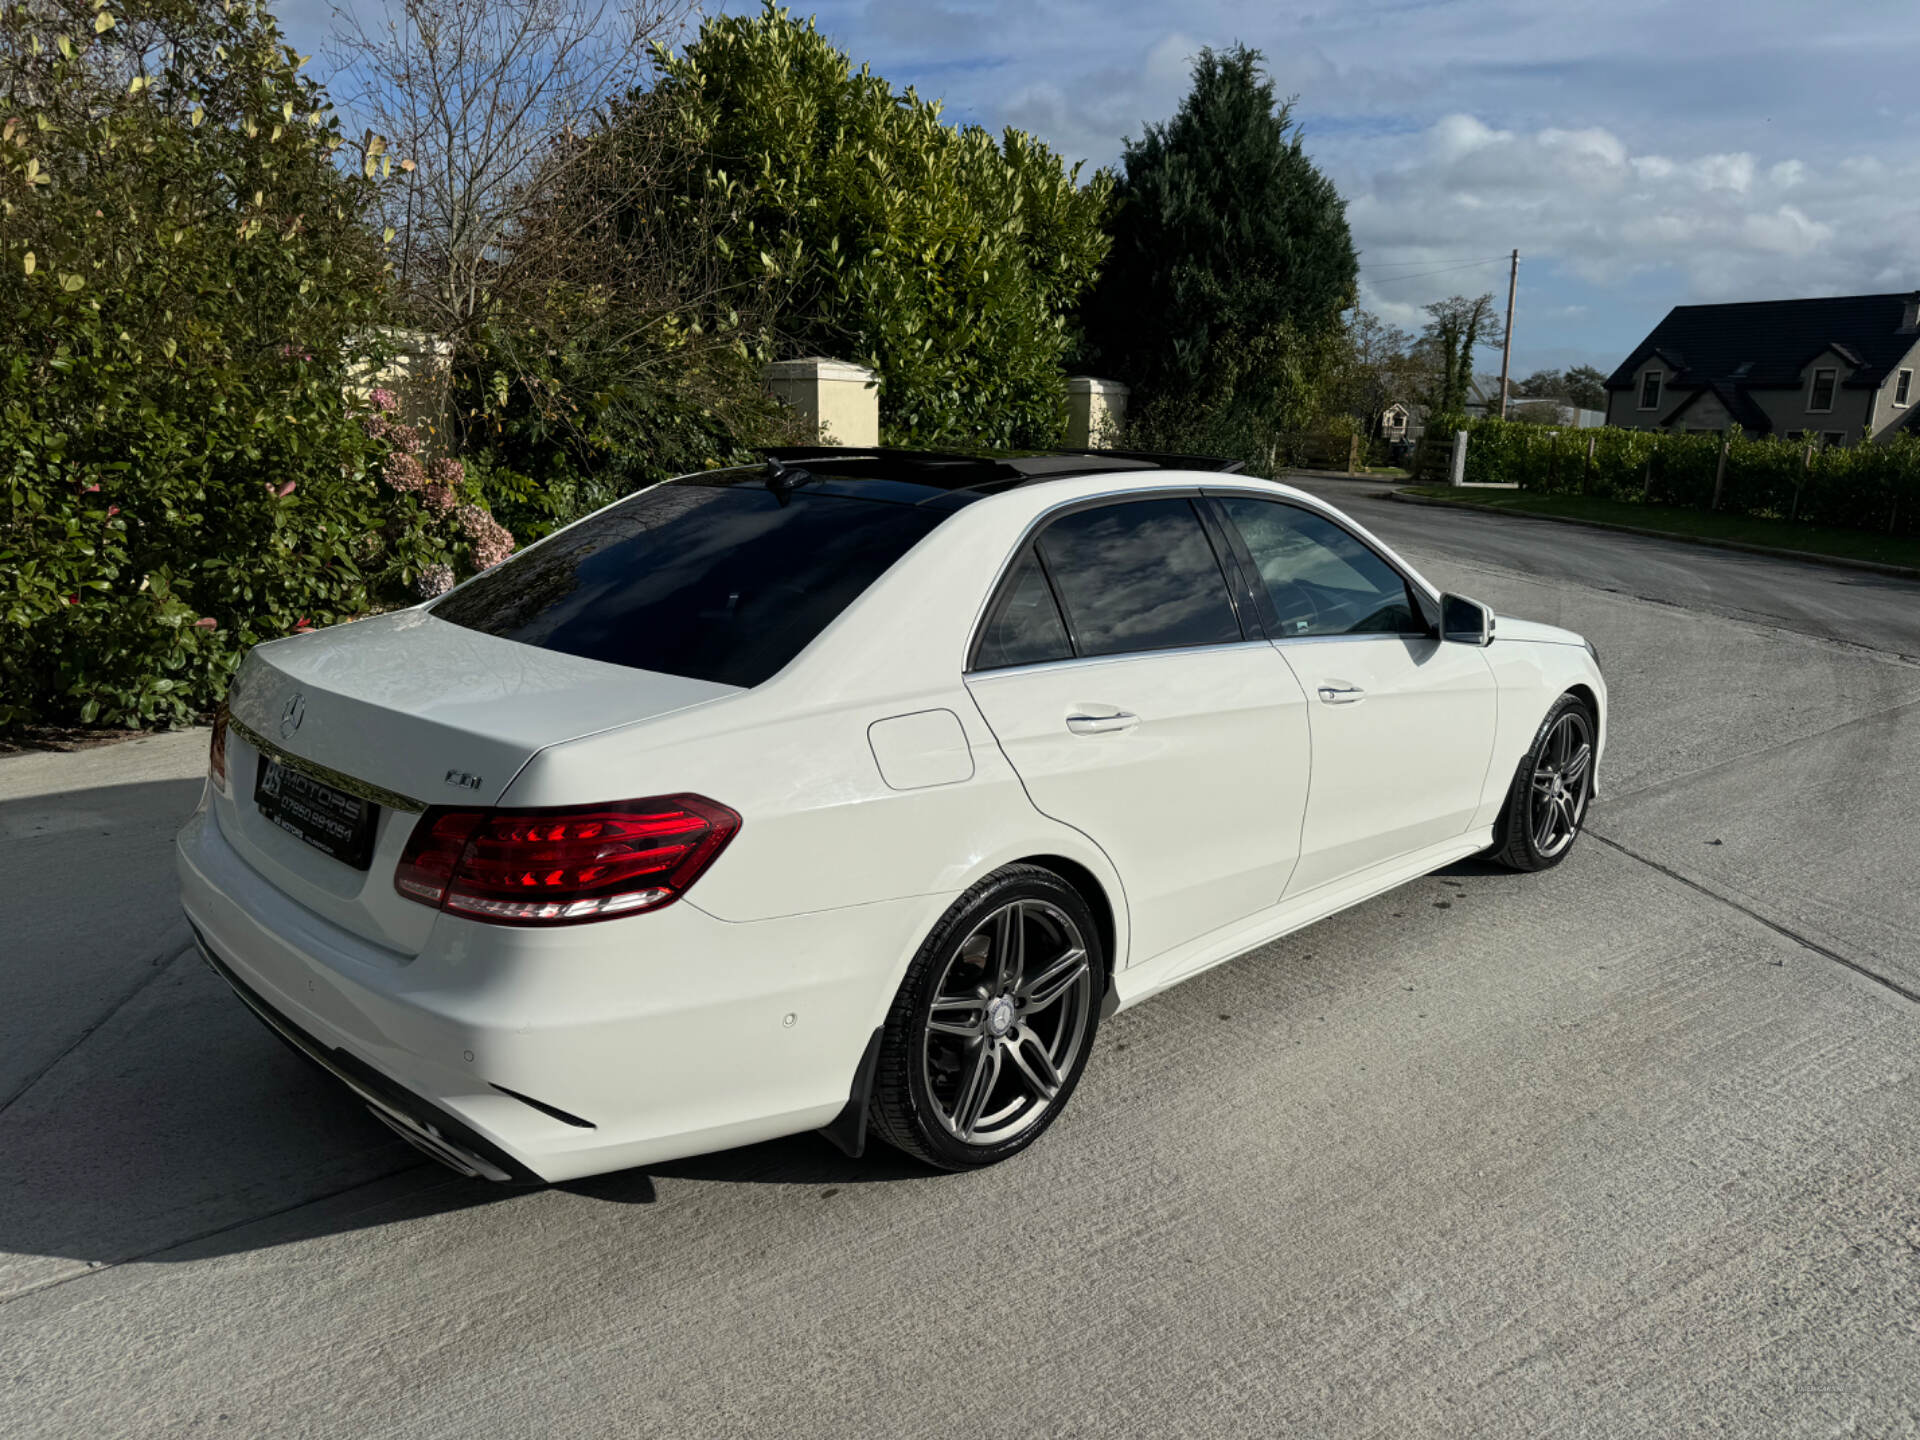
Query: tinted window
x=1321 y=580
x=716 y=582
x=1025 y=627
x=1139 y=576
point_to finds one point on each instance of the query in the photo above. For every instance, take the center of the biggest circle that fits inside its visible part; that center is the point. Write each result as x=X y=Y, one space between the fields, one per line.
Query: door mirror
x=1464 y=621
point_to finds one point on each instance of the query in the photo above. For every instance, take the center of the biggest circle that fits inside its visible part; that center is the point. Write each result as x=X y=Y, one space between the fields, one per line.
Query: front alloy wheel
x=993 y=1023
x=1551 y=791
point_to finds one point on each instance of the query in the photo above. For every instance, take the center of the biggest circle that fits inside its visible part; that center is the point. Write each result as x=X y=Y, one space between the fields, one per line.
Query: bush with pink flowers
x=438 y=527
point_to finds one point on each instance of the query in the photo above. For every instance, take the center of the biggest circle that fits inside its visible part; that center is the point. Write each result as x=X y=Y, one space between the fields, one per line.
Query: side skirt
x=1138 y=982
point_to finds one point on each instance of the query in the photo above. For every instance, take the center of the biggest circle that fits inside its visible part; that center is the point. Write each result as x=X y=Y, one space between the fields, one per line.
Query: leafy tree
x=1586 y=387
x=186 y=281
x=1377 y=365
x=1457 y=328
x=1231 y=261
x=1582 y=386
x=945 y=260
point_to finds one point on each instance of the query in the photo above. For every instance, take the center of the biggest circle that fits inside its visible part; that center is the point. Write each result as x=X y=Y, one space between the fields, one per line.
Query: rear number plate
x=332 y=821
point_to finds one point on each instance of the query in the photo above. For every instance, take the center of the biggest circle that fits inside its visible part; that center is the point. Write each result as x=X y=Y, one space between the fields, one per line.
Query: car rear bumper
x=547 y=1055
x=420 y=1124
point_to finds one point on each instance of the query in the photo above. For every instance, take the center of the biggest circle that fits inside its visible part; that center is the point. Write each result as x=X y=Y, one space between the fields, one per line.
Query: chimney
x=1910 y=314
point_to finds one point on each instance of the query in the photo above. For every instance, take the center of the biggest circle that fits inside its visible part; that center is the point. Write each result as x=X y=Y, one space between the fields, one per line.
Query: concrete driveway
x=1628 y=1148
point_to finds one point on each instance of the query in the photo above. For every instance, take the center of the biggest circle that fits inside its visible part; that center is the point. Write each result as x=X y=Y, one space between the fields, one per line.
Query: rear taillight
x=557 y=867
x=217 y=749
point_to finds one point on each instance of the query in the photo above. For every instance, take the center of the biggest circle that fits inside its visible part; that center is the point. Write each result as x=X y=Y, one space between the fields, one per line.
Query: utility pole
x=1506 y=342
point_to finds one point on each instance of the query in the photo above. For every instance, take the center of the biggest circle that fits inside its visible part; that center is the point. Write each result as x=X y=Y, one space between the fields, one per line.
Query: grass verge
x=1684 y=524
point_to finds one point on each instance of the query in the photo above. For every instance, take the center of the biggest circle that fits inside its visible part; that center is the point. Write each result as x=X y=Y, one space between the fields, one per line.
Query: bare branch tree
x=471 y=96
x=615 y=265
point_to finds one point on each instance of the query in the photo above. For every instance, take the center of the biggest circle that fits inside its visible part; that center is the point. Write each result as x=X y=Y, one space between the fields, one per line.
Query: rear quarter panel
x=821 y=829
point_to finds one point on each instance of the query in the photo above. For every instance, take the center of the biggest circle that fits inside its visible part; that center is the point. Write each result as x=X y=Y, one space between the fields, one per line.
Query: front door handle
x=1338 y=692
x=1101 y=724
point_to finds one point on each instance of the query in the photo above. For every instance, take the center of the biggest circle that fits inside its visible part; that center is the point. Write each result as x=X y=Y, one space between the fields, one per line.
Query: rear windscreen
x=715 y=582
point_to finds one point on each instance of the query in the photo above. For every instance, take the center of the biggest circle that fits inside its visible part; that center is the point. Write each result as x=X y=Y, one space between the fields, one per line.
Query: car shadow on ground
x=179 y=1128
x=172 y=1126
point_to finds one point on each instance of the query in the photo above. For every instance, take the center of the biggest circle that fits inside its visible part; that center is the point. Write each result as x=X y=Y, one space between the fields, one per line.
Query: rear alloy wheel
x=993 y=1023
x=1551 y=791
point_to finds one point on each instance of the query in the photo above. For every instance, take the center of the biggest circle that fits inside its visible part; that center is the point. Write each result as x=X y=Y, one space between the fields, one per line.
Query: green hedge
x=188 y=275
x=1858 y=487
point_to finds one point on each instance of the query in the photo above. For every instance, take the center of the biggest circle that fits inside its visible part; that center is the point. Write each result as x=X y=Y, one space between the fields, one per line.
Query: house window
x=1822 y=396
x=1903 y=387
x=1832 y=437
x=1650 y=390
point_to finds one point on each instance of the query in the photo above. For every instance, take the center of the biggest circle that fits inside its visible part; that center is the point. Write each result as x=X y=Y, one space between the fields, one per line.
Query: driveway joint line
x=101 y=1267
x=1795 y=936
x=156 y=967
x=1615 y=796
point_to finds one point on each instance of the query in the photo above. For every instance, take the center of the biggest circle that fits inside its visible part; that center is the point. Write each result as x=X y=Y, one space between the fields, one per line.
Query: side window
x=1322 y=581
x=1139 y=576
x=1025 y=626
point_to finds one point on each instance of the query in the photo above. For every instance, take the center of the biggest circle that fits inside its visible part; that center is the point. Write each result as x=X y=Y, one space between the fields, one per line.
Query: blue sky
x=1640 y=155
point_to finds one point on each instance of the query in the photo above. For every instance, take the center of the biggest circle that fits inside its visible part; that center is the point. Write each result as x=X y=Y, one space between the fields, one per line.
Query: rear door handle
x=1102 y=724
x=1338 y=692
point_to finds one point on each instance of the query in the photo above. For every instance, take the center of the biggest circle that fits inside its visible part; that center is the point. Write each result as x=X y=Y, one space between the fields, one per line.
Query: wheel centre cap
x=1000 y=1016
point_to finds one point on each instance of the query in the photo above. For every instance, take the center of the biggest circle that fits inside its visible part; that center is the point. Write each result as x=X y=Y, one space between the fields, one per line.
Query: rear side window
x=1139 y=576
x=1025 y=627
x=716 y=582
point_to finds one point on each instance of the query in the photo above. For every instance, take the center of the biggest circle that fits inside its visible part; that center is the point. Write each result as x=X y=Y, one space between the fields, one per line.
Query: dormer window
x=1903 y=388
x=1820 y=396
x=1650 y=390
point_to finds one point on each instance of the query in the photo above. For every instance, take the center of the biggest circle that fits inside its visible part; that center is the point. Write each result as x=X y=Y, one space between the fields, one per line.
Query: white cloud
x=1579 y=201
x=1655 y=156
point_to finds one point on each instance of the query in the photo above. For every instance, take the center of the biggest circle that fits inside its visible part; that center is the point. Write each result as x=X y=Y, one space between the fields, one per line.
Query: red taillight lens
x=555 y=867
x=217 y=748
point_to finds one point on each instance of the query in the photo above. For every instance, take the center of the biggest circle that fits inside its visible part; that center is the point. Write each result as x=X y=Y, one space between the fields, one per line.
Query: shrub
x=946 y=261
x=563 y=436
x=184 y=272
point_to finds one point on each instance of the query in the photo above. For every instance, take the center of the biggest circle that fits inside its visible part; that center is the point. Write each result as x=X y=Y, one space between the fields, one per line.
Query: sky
x=1639 y=155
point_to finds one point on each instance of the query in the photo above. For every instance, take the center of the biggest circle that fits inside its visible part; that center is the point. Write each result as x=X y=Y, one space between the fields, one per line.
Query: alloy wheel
x=1562 y=783
x=1008 y=1020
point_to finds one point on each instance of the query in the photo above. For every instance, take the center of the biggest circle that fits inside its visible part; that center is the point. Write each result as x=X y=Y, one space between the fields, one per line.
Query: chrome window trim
x=313 y=770
x=1040 y=666
x=1349 y=639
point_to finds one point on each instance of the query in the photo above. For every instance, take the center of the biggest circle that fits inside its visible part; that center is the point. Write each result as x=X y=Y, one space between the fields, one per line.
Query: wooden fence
x=1331 y=452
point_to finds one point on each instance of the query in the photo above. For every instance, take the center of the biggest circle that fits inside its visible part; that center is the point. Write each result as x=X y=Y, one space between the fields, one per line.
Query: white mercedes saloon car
x=850 y=792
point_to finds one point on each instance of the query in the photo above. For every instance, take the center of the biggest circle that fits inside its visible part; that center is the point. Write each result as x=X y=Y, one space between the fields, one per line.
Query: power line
x=1442 y=270
x=1427 y=264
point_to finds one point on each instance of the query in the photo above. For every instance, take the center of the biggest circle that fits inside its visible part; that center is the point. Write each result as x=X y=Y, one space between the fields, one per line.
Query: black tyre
x=1552 y=788
x=993 y=1023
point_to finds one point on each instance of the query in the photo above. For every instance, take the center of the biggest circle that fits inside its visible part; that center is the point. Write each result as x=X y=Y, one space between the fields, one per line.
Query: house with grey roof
x=1836 y=369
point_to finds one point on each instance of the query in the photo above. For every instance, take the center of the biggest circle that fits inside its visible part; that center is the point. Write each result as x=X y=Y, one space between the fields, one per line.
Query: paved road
x=1857 y=606
x=1628 y=1148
